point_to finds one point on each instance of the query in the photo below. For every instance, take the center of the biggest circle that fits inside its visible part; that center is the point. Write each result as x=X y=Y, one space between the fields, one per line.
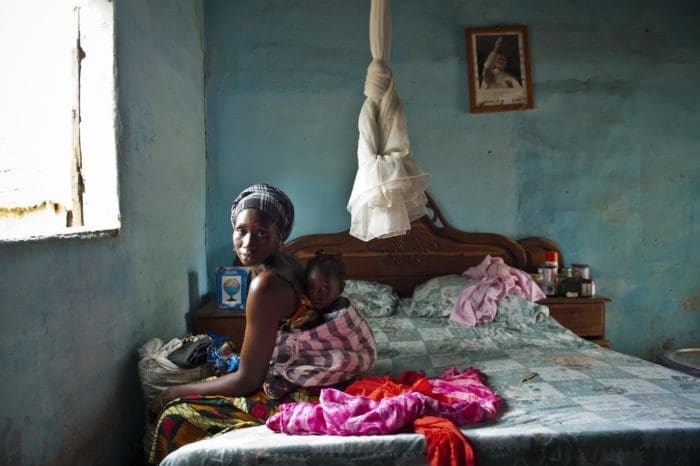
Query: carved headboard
x=432 y=247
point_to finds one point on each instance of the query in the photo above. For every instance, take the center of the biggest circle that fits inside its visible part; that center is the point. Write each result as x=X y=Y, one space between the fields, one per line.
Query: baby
x=325 y=281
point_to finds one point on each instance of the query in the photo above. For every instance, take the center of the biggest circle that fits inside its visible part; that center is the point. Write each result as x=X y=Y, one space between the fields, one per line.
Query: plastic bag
x=157 y=372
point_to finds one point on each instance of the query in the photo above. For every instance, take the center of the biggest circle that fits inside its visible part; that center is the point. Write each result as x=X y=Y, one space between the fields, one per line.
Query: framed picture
x=232 y=287
x=498 y=69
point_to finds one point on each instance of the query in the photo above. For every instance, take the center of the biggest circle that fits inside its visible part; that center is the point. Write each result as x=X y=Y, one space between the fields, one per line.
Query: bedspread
x=566 y=401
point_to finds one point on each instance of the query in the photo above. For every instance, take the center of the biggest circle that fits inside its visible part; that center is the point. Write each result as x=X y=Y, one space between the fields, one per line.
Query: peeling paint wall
x=75 y=311
x=607 y=164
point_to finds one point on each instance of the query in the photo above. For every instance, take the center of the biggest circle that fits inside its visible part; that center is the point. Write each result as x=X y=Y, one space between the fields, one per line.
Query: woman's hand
x=158 y=403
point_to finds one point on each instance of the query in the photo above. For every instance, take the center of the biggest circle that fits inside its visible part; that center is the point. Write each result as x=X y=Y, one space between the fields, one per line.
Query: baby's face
x=323 y=289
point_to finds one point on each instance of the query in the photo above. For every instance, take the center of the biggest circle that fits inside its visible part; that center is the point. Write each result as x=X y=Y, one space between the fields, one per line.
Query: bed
x=585 y=405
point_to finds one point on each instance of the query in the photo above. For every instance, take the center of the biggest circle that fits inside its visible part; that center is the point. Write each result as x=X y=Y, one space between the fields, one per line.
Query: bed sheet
x=586 y=405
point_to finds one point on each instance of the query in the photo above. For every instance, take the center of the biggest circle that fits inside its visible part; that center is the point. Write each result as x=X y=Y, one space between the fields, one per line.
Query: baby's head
x=325 y=279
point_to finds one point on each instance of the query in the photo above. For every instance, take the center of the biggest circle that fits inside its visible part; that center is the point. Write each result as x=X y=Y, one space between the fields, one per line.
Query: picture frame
x=232 y=287
x=498 y=69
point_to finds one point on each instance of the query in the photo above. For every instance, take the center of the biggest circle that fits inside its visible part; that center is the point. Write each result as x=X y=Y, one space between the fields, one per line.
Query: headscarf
x=271 y=201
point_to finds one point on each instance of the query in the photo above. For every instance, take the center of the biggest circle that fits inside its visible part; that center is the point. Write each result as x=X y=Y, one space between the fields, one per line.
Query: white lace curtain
x=389 y=188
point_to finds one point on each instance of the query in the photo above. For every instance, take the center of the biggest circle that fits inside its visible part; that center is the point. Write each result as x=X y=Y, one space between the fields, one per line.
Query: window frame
x=95 y=176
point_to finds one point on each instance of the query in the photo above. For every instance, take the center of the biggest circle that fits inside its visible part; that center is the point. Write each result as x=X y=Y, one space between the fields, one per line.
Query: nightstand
x=223 y=322
x=583 y=316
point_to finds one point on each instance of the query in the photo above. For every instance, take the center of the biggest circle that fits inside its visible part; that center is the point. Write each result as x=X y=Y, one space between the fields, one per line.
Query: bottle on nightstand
x=569 y=287
x=576 y=282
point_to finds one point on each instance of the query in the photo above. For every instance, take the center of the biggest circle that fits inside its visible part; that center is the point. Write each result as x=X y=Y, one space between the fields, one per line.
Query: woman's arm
x=270 y=298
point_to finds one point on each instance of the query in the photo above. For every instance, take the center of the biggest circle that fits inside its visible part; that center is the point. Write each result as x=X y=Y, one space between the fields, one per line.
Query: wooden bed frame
x=432 y=247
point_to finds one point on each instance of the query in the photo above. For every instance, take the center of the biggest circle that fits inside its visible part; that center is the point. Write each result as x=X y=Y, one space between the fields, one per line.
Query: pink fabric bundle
x=462 y=398
x=493 y=280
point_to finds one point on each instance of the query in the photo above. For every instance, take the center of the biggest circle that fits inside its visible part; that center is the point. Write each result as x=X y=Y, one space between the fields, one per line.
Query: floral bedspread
x=566 y=401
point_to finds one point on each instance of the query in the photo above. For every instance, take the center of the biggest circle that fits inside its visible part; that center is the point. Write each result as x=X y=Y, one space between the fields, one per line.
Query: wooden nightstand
x=223 y=322
x=583 y=316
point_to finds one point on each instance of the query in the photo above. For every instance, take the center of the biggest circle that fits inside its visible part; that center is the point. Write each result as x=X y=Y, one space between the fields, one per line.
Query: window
x=58 y=154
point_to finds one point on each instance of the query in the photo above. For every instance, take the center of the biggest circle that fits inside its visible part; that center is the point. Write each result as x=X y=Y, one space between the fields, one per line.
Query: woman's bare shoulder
x=288 y=269
x=269 y=281
x=271 y=294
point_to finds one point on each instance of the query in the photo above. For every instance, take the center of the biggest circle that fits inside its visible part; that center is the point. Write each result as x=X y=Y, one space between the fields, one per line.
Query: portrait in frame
x=498 y=68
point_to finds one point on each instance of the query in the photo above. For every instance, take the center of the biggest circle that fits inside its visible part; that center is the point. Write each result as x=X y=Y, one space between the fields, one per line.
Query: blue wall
x=74 y=312
x=606 y=164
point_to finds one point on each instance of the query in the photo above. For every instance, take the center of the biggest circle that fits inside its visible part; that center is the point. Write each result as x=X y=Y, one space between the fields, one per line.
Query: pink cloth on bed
x=462 y=398
x=477 y=303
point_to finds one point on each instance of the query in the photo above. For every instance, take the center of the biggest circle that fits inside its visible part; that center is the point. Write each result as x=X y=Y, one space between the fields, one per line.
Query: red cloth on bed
x=447 y=445
x=378 y=387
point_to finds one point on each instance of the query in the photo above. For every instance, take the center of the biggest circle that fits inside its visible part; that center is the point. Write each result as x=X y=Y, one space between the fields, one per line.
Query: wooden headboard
x=432 y=247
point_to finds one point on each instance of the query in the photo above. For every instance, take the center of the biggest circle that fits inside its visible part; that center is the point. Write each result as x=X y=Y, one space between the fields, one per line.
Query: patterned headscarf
x=270 y=200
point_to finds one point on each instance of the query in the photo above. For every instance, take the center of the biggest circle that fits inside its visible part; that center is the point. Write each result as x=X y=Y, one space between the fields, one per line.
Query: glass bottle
x=570 y=286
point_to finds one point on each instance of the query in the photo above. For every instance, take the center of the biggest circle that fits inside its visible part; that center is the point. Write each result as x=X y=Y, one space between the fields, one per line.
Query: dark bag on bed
x=192 y=353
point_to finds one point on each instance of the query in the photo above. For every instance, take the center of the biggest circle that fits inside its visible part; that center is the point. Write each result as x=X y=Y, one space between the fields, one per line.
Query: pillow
x=515 y=309
x=436 y=297
x=371 y=299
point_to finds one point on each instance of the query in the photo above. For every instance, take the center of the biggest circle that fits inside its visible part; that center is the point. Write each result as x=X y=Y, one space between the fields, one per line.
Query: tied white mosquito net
x=389 y=188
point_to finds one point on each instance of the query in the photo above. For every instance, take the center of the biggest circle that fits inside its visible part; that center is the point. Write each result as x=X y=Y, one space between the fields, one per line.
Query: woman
x=262 y=217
